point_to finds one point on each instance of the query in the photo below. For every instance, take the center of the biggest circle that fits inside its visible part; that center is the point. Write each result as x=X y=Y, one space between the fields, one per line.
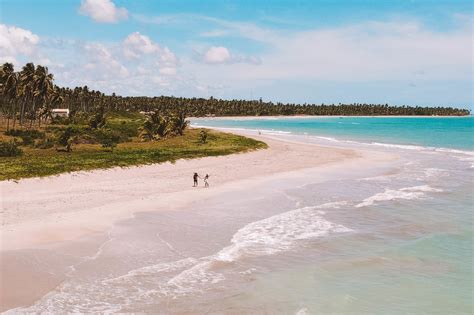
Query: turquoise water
x=446 y=132
x=387 y=237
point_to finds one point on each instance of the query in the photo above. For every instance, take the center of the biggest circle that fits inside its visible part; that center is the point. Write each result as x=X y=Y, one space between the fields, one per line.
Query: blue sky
x=397 y=52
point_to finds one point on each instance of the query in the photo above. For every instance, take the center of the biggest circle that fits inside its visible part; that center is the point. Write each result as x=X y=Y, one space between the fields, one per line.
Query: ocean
x=383 y=239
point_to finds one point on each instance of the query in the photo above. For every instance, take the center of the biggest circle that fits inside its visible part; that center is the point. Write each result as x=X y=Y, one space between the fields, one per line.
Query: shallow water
x=391 y=238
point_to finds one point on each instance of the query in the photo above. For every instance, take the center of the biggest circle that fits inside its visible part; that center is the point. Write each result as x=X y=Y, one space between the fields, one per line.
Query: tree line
x=29 y=95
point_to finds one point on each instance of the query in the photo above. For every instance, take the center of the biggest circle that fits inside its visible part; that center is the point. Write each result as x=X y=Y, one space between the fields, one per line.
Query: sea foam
x=406 y=193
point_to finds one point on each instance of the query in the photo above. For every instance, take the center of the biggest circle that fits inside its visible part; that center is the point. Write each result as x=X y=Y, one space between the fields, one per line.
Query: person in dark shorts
x=195 y=178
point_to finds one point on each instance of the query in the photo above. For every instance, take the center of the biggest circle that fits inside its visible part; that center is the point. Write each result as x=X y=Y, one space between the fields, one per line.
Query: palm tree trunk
x=14 y=114
x=22 y=110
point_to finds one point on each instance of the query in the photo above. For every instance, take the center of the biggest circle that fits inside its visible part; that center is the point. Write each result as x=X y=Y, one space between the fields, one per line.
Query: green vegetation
x=203 y=136
x=9 y=149
x=44 y=162
x=74 y=147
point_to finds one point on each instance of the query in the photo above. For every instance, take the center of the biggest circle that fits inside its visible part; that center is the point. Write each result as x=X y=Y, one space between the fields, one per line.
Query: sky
x=400 y=52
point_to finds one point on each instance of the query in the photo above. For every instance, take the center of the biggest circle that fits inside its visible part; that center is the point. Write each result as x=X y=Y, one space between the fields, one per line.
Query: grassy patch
x=44 y=162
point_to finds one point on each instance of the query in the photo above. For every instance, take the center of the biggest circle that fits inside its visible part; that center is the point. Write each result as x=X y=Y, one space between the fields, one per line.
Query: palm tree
x=55 y=100
x=9 y=87
x=179 y=123
x=43 y=83
x=27 y=88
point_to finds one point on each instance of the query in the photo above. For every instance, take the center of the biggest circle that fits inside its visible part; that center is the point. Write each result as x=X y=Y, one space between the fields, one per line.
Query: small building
x=60 y=112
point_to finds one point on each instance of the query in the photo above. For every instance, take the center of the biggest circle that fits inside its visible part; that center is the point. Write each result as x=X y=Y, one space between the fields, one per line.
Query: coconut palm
x=43 y=88
x=27 y=89
x=179 y=123
x=9 y=87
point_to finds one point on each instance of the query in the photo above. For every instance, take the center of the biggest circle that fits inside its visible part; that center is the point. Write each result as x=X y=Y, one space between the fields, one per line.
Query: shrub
x=203 y=136
x=97 y=120
x=80 y=118
x=9 y=149
x=27 y=140
x=44 y=143
x=66 y=138
x=127 y=129
x=109 y=139
x=35 y=134
x=27 y=136
x=58 y=120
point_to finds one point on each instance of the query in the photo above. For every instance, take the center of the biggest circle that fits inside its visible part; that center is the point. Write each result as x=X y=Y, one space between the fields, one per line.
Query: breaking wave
x=406 y=193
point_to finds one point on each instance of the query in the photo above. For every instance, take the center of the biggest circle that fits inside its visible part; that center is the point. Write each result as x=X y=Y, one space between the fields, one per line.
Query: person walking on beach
x=206 y=184
x=195 y=178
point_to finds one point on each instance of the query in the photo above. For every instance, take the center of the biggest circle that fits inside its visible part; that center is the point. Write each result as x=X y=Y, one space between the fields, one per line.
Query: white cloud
x=226 y=28
x=216 y=55
x=136 y=45
x=135 y=66
x=15 y=41
x=149 y=54
x=222 y=55
x=103 y=11
x=168 y=71
x=168 y=57
x=370 y=51
x=103 y=63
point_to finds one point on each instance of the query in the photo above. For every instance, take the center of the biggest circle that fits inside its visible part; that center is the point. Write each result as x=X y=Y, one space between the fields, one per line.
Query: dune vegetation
x=44 y=152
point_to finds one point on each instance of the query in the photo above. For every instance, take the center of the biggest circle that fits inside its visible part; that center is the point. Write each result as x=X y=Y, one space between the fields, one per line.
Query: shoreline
x=44 y=210
x=317 y=116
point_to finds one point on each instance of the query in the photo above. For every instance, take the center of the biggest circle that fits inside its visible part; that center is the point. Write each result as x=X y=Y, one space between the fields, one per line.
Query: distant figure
x=195 y=177
x=206 y=184
x=259 y=132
